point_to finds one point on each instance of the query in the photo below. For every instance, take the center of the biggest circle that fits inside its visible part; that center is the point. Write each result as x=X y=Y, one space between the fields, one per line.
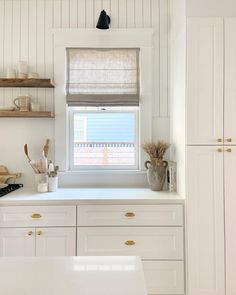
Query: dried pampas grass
x=156 y=149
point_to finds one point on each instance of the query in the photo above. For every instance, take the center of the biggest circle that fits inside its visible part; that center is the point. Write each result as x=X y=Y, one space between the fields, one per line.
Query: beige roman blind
x=102 y=77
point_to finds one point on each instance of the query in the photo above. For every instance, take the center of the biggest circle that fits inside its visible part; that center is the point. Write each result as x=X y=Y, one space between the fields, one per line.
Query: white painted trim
x=114 y=38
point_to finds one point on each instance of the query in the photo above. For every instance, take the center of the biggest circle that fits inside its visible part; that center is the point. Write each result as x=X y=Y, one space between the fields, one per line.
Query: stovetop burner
x=9 y=188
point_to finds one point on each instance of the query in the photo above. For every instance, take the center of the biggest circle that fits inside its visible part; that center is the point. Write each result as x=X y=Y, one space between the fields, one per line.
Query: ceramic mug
x=22 y=102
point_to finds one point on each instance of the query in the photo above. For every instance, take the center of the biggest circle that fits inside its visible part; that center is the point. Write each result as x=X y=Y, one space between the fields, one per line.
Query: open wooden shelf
x=34 y=83
x=18 y=114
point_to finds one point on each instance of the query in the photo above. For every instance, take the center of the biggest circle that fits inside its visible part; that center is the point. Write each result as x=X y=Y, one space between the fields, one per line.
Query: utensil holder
x=40 y=178
x=52 y=184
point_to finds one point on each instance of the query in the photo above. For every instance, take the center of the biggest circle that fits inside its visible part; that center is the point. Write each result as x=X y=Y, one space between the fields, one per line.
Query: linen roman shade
x=102 y=77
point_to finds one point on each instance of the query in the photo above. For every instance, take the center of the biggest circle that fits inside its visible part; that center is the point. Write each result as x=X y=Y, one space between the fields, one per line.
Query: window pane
x=104 y=138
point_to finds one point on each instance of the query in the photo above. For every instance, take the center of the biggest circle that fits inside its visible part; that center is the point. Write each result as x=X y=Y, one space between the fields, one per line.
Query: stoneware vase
x=156 y=173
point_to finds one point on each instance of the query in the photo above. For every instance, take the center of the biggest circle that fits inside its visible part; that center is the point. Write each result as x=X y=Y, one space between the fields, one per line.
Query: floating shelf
x=34 y=83
x=18 y=114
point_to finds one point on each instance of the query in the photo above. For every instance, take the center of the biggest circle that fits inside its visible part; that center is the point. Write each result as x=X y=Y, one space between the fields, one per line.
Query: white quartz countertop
x=72 y=276
x=76 y=196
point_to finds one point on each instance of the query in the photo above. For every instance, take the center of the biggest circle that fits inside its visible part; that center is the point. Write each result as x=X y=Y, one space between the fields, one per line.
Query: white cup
x=35 y=107
x=33 y=76
x=11 y=73
x=22 y=67
x=22 y=76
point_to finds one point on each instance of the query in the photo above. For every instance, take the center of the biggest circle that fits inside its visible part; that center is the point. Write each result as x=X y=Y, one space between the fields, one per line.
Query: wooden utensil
x=46 y=148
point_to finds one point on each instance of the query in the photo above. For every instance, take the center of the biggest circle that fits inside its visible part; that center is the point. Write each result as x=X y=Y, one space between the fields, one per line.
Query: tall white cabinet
x=211 y=156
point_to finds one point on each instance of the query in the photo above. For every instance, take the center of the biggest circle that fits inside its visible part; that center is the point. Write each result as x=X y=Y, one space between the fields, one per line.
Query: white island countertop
x=72 y=276
x=77 y=196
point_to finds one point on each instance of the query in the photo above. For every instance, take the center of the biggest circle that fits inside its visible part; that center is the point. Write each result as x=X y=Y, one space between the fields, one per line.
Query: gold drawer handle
x=39 y=233
x=130 y=243
x=30 y=233
x=130 y=214
x=229 y=139
x=219 y=140
x=219 y=150
x=36 y=215
x=229 y=150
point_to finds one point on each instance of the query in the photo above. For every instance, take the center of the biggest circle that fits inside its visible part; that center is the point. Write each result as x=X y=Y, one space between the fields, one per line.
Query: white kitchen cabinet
x=205 y=220
x=147 y=242
x=38 y=241
x=59 y=241
x=205 y=66
x=230 y=219
x=132 y=215
x=17 y=242
x=164 y=277
x=230 y=81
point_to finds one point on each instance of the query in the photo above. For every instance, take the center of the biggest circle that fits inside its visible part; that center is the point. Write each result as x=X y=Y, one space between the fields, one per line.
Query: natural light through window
x=104 y=138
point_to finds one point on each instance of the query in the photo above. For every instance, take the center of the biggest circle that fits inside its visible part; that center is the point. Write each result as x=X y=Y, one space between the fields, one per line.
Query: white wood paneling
x=205 y=219
x=25 y=34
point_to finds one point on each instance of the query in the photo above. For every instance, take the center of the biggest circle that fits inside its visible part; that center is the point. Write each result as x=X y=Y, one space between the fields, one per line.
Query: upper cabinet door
x=205 y=221
x=205 y=81
x=230 y=219
x=230 y=81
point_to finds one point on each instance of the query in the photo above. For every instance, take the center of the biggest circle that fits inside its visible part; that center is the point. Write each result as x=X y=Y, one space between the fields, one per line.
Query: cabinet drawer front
x=164 y=277
x=148 y=242
x=115 y=215
x=23 y=216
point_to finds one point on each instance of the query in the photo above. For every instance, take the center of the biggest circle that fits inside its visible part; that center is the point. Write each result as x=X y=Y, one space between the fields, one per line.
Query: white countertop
x=72 y=276
x=76 y=196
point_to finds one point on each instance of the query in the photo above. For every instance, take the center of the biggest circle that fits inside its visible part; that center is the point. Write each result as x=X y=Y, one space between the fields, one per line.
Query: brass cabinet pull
x=219 y=140
x=39 y=233
x=229 y=139
x=229 y=150
x=130 y=214
x=30 y=233
x=130 y=243
x=36 y=215
x=219 y=150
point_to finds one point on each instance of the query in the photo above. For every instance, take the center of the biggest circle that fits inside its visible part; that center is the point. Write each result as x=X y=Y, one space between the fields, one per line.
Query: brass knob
x=229 y=139
x=130 y=243
x=130 y=214
x=30 y=233
x=229 y=150
x=39 y=233
x=219 y=140
x=219 y=150
x=36 y=215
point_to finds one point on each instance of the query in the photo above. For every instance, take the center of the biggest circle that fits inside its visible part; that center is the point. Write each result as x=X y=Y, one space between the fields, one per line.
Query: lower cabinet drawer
x=164 y=277
x=148 y=242
x=34 y=216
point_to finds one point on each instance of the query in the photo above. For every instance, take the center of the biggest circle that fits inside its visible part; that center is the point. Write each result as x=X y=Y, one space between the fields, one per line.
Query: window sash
x=72 y=112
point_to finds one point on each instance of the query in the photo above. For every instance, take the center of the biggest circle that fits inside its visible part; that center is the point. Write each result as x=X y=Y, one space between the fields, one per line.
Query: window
x=103 y=98
x=103 y=138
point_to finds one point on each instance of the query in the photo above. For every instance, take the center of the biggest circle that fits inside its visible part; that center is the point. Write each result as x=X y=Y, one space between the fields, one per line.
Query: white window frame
x=85 y=127
x=93 y=38
x=103 y=167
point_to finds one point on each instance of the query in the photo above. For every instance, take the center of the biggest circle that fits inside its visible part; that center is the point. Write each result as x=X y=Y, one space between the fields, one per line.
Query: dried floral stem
x=156 y=149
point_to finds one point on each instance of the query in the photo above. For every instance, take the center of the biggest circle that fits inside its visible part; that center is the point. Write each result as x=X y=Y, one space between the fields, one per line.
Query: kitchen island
x=72 y=276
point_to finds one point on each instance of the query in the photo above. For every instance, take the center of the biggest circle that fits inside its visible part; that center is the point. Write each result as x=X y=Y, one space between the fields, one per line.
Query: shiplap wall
x=26 y=34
